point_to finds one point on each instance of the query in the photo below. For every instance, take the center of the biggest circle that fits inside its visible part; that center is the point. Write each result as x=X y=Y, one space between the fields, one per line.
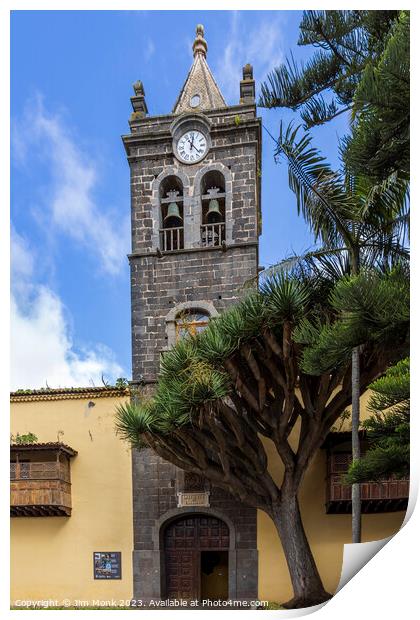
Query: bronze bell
x=173 y=217
x=213 y=214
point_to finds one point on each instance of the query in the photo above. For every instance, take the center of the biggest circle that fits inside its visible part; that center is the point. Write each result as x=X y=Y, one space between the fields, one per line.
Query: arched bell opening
x=171 y=195
x=213 y=209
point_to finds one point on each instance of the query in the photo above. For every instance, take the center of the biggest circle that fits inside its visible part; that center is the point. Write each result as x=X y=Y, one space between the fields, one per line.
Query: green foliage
x=23 y=439
x=392 y=390
x=192 y=372
x=286 y=299
x=362 y=58
x=380 y=462
x=319 y=191
x=325 y=85
x=327 y=319
x=357 y=221
x=344 y=417
x=372 y=307
x=388 y=429
x=121 y=383
x=380 y=141
x=272 y=605
x=132 y=421
x=362 y=211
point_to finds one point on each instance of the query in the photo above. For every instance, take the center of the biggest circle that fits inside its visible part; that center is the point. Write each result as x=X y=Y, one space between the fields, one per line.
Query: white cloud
x=23 y=263
x=69 y=203
x=149 y=50
x=42 y=350
x=260 y=45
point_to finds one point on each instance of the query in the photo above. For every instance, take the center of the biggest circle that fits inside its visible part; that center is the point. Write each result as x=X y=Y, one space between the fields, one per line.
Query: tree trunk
x=356 y=509
x=307 y=585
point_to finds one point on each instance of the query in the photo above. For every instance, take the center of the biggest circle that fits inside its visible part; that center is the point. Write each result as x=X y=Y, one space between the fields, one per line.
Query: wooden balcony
x=40 y=483
x=388 y=495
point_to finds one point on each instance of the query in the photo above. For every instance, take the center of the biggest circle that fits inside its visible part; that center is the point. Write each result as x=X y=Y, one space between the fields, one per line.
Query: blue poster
x=107 y=565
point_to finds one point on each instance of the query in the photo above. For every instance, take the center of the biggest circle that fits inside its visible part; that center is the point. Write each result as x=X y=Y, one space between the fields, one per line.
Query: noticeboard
x=107 y=565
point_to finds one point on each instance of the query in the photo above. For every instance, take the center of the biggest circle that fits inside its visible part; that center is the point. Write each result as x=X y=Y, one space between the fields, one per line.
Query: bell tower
x=195 y=221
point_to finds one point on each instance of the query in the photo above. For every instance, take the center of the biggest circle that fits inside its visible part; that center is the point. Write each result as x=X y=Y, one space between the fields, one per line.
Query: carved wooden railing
x=40 y=471
x=40 y=489
x=384 y=495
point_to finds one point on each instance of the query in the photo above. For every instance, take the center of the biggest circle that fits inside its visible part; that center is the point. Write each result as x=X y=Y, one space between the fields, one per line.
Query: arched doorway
x=196 y=558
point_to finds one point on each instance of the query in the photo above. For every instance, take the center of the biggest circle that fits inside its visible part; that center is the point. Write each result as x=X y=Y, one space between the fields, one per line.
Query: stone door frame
x=175 y=514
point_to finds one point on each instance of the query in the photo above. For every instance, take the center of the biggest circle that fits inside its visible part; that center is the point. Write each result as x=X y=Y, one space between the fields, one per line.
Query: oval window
x=195 y=101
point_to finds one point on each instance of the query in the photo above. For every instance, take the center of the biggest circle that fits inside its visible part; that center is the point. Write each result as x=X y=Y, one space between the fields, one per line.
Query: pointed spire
x=200 y=44
x=200 y=91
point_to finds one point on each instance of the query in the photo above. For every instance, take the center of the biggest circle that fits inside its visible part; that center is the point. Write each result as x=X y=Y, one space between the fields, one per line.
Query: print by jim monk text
x=124 y=603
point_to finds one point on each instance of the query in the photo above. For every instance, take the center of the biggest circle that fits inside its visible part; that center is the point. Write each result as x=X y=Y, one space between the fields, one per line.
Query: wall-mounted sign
x=193 y=499
x=107 y=565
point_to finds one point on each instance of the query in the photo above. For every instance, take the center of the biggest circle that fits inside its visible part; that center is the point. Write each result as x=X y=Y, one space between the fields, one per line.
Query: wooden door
x=212 y=533
x=181 y=560
x=184 y=539
x=181 y=574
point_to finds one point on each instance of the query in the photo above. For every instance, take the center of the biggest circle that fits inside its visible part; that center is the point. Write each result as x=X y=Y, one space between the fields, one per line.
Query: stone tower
x=195 y=214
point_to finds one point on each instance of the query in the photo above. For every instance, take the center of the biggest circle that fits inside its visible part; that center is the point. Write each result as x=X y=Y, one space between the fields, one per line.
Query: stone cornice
x=191 y=250
x=165 y=133
x=214 y=147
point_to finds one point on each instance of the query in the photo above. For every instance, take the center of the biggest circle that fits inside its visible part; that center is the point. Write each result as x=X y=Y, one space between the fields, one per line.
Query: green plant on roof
x=121 y=383
x=23 y=439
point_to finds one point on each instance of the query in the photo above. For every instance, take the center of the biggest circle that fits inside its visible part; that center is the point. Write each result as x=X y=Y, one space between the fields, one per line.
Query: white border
x=388 y=585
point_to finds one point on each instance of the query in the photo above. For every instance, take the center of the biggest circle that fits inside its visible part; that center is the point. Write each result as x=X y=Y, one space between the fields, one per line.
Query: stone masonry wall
x=158 y=284
x=234 y=143
x=154 y=484
x=154 y=495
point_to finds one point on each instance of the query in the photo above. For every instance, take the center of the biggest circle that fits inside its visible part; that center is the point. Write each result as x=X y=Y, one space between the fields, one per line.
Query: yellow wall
x=51 y=557
x=326 y=533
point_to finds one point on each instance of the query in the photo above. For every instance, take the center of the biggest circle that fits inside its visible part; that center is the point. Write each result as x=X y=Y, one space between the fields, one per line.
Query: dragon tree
x=276 y=366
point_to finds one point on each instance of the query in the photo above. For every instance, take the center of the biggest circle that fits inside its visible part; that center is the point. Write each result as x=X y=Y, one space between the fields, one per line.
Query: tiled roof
x=335 y=438
x=51 y=445
x=67 y=393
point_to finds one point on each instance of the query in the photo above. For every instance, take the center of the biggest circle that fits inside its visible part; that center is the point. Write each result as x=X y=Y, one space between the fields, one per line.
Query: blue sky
x=71 y=81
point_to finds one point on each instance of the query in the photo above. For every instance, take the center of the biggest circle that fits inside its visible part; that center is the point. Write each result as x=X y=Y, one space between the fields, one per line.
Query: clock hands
x=187 y=152
x=192 y=143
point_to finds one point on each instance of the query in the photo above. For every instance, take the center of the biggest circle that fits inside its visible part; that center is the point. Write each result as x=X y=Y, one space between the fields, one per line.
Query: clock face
x=191 y=146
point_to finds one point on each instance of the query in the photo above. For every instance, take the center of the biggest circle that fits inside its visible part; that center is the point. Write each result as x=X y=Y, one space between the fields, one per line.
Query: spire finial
x=200 y=44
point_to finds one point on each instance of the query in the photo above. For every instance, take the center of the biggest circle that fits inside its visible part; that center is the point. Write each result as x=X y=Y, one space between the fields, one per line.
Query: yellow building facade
x=52 y=557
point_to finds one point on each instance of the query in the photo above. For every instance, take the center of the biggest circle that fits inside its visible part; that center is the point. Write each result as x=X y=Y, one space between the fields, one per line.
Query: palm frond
x=132 y=420
x=286 y=298
x=319 y=191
